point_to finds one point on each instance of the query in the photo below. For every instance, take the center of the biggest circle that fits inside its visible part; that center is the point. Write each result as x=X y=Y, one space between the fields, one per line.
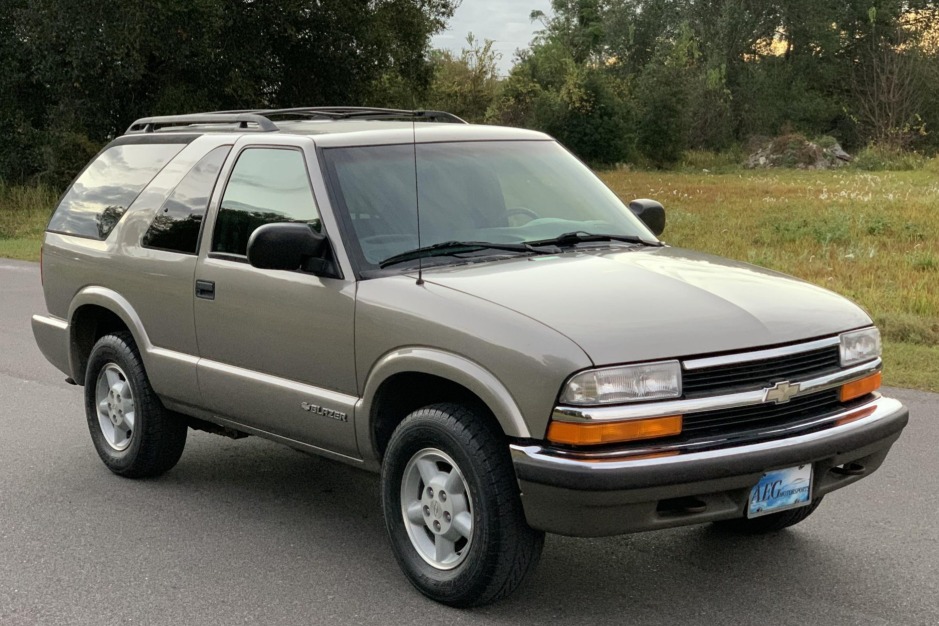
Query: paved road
x=247 y=532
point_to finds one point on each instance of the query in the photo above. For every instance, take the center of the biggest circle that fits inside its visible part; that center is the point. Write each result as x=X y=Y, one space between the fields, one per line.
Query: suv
x=465 y=309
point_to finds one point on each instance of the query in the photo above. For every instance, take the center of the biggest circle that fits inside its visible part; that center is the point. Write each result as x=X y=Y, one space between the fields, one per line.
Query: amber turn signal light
x=861 y=387
x=591 y=434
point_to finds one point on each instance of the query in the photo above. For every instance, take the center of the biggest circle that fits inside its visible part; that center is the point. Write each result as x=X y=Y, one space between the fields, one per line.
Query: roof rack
x=260 y=119
x=243 y=121
x=362 y=113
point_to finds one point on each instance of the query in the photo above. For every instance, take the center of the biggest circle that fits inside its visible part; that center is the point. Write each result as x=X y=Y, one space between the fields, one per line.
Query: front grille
x=760 y=416
x=753 y=375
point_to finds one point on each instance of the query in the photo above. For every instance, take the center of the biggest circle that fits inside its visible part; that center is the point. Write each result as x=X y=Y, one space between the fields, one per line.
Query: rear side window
x=267 y=185
x=177 y=223
x=99 y=197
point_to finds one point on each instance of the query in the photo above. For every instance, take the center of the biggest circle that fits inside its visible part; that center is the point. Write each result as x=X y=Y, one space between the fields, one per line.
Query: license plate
x=781 y=490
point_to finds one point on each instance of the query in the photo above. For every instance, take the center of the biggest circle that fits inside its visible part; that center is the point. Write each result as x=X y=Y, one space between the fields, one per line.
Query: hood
x=626 y=305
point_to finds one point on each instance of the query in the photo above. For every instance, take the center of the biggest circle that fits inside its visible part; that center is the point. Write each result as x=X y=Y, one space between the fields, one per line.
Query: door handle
x=205 y=289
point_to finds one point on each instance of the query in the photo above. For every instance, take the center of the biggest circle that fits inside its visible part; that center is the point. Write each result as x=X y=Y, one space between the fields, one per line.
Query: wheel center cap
x=436 y=509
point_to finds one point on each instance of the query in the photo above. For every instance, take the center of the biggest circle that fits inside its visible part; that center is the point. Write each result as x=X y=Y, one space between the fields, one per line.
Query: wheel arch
x=93 y=313
x=409 y=378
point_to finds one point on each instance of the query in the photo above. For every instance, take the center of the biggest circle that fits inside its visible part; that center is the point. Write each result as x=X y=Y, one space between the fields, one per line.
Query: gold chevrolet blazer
x=465 y=309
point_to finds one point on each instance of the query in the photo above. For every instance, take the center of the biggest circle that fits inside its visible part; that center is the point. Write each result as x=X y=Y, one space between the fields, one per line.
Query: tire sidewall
x=429 y=431
x=112 y=349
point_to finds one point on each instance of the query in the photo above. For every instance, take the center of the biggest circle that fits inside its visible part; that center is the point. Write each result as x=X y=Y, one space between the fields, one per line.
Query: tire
x=133 y=433
x=774 y=522
x=491 y=557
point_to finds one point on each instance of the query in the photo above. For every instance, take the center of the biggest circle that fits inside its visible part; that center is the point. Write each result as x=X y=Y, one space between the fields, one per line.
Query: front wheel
x=132 y=432
x=452 y=508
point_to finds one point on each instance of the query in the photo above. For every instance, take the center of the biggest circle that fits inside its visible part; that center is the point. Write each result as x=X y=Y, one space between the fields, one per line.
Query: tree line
x=616 y=80
x=645 y=80
x=74 y=73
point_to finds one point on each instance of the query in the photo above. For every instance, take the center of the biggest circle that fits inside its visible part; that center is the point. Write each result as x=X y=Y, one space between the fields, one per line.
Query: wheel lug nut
x=430 y=492
x=443 y=495
x=436 y=525
x=446 y=516
x=426 y=511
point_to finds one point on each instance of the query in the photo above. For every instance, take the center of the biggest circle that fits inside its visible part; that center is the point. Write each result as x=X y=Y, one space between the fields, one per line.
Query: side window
x=177 y=223
x=98 y=198
x=266 y=185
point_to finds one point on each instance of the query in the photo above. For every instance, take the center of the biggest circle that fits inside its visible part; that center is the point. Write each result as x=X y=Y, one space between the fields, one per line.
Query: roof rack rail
x=260 y=119
x=361 y=113
x=244 y=121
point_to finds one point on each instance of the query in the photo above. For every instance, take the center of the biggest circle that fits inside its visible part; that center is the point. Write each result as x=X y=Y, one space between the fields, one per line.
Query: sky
x=504 y=21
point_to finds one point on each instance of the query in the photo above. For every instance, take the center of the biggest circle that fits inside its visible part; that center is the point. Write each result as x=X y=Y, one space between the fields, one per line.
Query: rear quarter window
x=99 y=197
x=178 y=222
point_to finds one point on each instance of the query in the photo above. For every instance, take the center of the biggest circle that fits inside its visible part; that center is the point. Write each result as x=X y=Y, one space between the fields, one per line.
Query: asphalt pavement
x=249 y=532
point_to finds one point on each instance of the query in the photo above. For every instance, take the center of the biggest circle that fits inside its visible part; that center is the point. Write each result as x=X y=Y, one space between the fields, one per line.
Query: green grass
x=871 y=236
x=24 y=212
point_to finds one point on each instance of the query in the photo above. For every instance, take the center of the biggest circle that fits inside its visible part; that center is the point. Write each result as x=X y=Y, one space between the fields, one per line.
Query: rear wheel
x=771 y=523
x=452 y=508
x=132 y=432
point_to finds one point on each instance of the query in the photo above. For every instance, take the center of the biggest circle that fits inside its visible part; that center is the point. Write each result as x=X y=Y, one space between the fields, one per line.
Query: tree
x=465 y=85
x=85 y=69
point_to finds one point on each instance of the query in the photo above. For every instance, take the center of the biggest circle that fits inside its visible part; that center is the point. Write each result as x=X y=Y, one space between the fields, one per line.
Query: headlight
x=859 y=346
x=629 y=383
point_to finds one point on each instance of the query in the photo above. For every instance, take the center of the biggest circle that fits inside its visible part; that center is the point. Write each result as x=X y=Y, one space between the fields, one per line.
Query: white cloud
x=506 y=22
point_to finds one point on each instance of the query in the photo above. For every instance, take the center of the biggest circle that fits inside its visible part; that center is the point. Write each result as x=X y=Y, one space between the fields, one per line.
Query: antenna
x=417 y=202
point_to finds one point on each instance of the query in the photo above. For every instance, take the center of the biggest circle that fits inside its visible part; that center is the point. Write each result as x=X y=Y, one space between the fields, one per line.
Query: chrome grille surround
x=757 y=370
x=732 y=415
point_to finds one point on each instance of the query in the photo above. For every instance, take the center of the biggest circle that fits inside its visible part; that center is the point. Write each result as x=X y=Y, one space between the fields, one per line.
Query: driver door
x=276 y=346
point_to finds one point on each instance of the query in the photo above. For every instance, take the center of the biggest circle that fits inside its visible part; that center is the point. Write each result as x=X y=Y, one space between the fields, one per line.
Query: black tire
x=774 y=522
x=157 y=440
x=504 y=550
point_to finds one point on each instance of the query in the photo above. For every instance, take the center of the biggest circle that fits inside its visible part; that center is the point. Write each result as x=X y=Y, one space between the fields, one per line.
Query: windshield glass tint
x=503 y=192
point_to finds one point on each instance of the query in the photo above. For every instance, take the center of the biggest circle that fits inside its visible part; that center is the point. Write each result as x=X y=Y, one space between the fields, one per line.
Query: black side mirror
x=651 y=213
x=285 y=246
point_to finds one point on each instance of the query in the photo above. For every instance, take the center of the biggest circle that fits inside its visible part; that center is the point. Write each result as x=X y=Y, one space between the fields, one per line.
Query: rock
x=795 y=151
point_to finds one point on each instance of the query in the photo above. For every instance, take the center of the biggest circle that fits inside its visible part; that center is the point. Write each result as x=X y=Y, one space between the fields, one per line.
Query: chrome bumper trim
x=881 y=408
x=729 y=401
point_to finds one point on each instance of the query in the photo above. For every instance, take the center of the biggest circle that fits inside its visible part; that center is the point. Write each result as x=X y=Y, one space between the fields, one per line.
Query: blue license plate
x=781 y=490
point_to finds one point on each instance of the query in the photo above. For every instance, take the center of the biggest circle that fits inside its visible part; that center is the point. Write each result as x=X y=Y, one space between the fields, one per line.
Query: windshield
x=495 y=191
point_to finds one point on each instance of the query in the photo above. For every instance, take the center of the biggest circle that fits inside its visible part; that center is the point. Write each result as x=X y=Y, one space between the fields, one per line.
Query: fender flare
x=115 y=303
x=454 y=368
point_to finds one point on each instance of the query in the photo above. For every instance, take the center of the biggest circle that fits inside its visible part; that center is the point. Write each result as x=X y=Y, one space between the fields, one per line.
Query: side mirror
x=285 y=246
x=651 y=213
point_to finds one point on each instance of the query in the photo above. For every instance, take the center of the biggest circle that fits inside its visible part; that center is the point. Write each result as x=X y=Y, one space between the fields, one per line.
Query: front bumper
x=585 y=496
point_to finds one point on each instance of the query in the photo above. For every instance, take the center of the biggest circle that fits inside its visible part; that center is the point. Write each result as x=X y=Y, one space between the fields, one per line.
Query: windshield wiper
x=447 y=248
x=580 y=236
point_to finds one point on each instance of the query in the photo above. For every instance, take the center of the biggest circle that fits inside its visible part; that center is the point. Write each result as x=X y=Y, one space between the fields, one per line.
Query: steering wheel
x=520 y=210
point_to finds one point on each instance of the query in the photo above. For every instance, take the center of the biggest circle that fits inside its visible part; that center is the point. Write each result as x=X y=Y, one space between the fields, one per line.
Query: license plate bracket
x=781 y=490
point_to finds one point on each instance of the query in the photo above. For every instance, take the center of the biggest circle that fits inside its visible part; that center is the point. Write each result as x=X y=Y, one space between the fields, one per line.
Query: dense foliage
x=76 y=72
x=648 y=79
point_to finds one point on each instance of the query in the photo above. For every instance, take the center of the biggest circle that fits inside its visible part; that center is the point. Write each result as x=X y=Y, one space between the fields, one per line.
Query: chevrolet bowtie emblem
x=781 y=393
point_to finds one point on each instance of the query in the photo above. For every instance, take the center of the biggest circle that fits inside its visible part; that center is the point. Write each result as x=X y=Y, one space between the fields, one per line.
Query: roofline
x=259 y=120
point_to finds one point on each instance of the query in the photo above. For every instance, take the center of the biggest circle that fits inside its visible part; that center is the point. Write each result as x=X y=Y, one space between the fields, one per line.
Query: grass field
x=872 y=236
x=24 y=212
